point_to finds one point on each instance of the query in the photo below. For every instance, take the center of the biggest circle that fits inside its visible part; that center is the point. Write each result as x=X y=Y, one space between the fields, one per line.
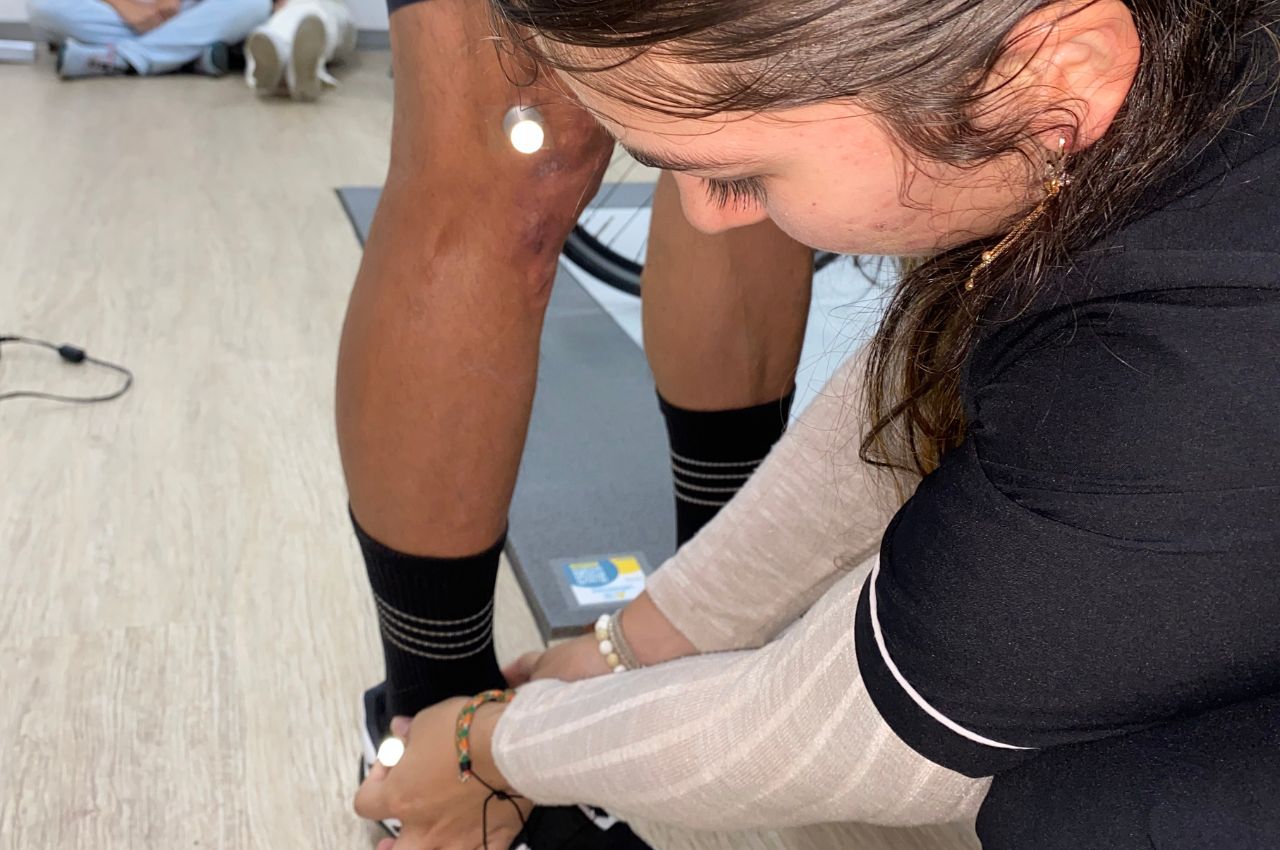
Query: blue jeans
x=166 y=48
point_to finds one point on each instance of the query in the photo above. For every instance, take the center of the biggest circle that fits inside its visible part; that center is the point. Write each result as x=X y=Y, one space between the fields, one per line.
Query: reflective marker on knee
x=524 y=129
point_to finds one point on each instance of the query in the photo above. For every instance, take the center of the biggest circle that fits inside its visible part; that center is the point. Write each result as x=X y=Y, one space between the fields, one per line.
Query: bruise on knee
x=547 y=204
x=537 y=237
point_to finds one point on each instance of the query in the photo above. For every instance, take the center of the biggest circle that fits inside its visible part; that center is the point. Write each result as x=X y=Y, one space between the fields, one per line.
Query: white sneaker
x=264 y=63
x=304 y=74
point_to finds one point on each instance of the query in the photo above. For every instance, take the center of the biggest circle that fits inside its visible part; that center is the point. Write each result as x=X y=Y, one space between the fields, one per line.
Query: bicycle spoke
x=599 y=202
x=635 y=212
x=606 y=221
x=602 y=201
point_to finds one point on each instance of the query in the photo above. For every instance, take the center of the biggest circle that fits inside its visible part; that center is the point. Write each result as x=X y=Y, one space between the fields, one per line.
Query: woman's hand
x=649 y=633
x=435 y=810
x=569 y=661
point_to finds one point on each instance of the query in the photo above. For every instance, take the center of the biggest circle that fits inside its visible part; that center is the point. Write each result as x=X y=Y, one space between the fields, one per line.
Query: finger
x=512 y=673
x=400 y=726
x=520 y=670
x=372 y=801
x=377 y=773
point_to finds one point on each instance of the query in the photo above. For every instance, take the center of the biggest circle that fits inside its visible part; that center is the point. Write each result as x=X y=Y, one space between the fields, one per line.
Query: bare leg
x=724 y=315
x=724 y=320
x=439 y=351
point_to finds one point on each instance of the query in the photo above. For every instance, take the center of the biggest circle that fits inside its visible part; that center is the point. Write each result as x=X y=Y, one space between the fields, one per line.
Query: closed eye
x=739 y=193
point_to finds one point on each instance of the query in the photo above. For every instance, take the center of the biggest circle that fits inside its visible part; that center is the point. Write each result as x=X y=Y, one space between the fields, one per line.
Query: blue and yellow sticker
x=603 y=580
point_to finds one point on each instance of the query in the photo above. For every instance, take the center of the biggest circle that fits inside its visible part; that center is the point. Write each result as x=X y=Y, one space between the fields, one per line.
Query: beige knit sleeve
x=780 y=736
x=812 y=506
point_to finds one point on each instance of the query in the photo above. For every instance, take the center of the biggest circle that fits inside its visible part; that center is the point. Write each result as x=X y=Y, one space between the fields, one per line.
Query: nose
x=706 y=215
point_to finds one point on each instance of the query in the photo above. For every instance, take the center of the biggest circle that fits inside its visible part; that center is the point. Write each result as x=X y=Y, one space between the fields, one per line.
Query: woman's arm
x=780 y=736
x=812 y=506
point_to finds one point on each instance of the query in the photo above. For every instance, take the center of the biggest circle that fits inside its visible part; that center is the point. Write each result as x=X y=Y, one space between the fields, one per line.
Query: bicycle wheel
x=612 y=234
x=601 y=262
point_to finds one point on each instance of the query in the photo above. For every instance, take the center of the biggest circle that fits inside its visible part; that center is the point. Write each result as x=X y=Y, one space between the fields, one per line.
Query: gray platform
x=594 y=496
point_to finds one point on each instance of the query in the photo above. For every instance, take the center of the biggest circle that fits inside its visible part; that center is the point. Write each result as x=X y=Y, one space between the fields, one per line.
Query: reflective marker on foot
x=390 y=751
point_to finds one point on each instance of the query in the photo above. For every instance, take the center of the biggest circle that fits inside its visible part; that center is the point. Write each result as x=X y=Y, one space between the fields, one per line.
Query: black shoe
x=575 y=828
x=214 y=60
x=547 y=828
x=375 y=725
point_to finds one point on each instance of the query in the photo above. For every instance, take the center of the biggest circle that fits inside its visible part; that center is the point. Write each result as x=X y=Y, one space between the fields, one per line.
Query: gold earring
x=1056 y=179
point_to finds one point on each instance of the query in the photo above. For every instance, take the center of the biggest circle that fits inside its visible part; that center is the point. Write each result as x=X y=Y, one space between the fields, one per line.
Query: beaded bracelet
x=462 y=737
x=629 y=659
x=613 y=646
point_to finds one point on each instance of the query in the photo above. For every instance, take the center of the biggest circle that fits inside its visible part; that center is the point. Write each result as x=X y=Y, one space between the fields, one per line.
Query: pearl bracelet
x=613 y=646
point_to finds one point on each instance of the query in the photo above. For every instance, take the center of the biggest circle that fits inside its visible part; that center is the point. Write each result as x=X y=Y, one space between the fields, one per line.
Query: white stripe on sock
x=723 y=465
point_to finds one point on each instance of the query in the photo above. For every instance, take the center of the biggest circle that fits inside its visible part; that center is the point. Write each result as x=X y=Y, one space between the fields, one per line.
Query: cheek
x=861 y=214
x=847 y=216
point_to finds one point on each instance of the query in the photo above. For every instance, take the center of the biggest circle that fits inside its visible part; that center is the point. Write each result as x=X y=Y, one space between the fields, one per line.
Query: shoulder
x=1159 y=390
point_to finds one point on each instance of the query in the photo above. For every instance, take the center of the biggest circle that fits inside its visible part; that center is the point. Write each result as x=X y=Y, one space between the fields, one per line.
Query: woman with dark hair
x=1072 y=397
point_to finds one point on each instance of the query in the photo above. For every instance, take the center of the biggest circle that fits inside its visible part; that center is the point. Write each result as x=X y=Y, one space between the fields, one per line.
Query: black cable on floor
x=69 y=354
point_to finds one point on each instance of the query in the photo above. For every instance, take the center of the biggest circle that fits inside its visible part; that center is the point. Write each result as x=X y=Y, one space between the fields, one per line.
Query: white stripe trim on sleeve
x=912 y=692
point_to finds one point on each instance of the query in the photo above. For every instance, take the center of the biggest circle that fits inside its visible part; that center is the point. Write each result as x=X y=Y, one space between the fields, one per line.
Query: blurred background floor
x=185 y=627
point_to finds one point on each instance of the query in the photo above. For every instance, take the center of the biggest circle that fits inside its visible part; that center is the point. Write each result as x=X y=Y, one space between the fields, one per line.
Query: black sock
x=436 y=620
x=714 y=453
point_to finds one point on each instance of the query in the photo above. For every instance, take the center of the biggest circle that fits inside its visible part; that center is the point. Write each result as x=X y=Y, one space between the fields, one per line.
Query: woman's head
x=884 y=127
x=909 y=127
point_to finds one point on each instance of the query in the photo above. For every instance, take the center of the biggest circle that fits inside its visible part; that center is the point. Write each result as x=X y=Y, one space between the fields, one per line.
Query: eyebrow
x=681 y=163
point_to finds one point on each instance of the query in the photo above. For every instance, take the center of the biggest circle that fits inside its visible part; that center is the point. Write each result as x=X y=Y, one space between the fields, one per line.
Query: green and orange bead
x=463 y=727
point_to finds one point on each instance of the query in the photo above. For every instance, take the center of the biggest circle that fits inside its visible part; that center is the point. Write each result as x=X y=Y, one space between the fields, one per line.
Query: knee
x=552 y=187
x=242 y=16
x=521 y=207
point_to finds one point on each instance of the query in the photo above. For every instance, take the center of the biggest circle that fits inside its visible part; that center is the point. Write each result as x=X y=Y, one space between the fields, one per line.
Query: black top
x=1101 y=552
x=1209 y=782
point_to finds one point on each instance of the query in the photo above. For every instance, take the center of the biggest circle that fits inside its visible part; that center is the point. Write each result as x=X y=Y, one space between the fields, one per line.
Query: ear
x=1075 y=61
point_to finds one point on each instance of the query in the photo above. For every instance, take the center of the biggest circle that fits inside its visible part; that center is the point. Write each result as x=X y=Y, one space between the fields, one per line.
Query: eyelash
x=742 y=193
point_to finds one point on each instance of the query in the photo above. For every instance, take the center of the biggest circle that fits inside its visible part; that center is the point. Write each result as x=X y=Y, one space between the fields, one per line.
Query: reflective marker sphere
x=527 y=137
x=523 y=127
x=391 y=751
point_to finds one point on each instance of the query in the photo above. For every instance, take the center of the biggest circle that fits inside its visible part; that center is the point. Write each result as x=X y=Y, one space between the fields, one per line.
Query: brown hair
x=925 y=67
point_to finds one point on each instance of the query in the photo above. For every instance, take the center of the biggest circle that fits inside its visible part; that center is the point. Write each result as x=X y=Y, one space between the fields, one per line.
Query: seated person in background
x=99 y=38
x=289 y=53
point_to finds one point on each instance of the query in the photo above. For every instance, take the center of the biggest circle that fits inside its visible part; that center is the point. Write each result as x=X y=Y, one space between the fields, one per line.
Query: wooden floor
x=184 y=622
